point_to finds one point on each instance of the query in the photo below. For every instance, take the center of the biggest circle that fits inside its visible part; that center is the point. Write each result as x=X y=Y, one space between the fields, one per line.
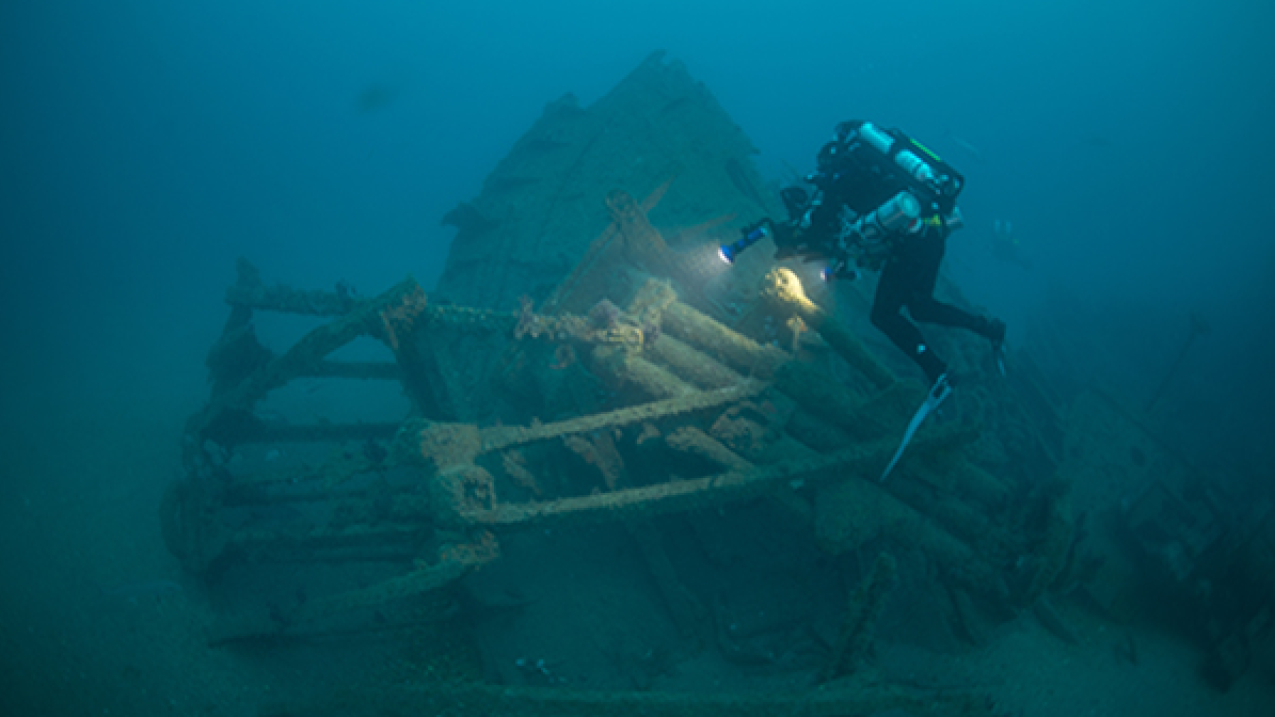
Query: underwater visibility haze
x=1117 y=158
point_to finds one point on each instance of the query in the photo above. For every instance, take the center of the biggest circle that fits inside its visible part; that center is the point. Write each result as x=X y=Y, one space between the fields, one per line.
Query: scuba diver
x=888 y=204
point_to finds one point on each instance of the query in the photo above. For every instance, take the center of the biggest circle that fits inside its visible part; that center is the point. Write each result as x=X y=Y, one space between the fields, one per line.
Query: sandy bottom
x=1030 y=672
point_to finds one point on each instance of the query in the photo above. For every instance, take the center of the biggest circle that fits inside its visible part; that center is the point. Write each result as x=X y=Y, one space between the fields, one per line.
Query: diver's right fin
x=939 y=392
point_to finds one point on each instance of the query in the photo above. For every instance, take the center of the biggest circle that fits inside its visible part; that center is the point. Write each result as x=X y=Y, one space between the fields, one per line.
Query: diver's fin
x=998 y=353
x=939 y=392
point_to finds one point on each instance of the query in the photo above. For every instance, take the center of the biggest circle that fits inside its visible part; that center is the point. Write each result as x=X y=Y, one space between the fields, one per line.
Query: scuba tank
x=901 y=214
x=934 y=182
x=871 y=238
x=913 y=165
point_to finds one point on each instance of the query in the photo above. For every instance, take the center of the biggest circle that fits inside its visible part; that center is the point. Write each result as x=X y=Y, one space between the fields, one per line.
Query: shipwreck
x=605 y=457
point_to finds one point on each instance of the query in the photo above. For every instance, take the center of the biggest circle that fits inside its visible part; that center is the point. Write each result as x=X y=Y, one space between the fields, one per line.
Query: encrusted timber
x=692 y=441
x=450 y=449
x=502 y=438
x=690 y=364
x=365 y=319
x=288 y=300
x=190 y=513
x=466 y=319
x=695 y=358
x=861 y=616
x=783 y=291
x=680 y=496
x=318 y=302
x=860 y=696
x=721 y=342
x=454 y=562
x=402 y=308
x=678 y=368
x=285 y=299
x=709 y=351
x=712 y=351
x=624 y=369
x=693 y=350
x=958 y=514
x=655 y=367
x=853 y=512
x=829 y=402
x=953 y=493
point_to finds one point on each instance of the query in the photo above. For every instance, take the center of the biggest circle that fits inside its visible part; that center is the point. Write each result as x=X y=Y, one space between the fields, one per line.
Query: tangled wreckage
x=665 y=470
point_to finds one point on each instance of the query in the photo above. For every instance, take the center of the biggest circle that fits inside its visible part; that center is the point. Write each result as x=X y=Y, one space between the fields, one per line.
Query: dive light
x=838 y=268
x=751 y=235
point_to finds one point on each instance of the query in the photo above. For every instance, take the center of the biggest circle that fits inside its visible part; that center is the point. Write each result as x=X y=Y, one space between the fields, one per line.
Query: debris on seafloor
x=588 y=371
x=866 y=603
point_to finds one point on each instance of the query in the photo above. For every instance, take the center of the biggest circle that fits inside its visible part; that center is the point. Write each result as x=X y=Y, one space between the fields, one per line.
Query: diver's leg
x=896 y=285
x=929 y=310
x=925 y=255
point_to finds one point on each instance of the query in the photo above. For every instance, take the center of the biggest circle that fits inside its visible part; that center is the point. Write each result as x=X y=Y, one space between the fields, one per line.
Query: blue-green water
x=146 y=145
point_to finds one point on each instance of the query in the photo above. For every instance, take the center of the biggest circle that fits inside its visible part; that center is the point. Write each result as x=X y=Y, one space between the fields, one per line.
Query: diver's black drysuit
x=908 y=279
